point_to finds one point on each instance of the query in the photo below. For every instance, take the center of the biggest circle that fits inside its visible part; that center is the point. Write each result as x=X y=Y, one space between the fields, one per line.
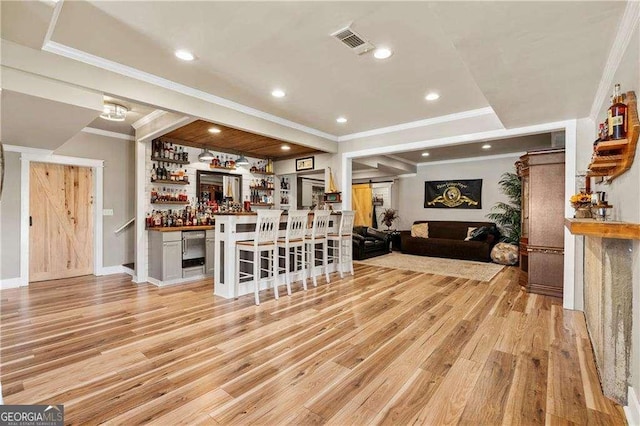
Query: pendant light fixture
x=242 y=161
x=205 y=155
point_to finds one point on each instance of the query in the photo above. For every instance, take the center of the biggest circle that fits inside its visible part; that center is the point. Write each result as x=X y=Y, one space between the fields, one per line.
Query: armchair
x=369 y=242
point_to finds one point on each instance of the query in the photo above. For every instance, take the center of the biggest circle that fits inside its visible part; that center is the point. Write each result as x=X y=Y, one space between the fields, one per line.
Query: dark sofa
x=369 y=242
x=446 y=239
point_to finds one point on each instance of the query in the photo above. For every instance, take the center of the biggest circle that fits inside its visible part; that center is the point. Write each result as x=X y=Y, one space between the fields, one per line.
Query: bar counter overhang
x=232 y=227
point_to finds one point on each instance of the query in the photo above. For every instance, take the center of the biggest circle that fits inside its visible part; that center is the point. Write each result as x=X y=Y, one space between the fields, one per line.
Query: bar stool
x=340 y=238
x=266 y=236
x=318 y=235
x=294 y=239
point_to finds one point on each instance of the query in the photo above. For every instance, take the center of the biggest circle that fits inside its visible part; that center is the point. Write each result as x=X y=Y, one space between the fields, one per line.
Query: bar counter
x=181 y=228
x=232 y=227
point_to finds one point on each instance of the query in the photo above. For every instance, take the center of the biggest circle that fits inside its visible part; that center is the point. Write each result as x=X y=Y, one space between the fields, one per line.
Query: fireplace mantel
x=603 y=229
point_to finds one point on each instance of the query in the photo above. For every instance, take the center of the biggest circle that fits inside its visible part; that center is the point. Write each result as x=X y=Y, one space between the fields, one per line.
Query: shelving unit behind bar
x=615 y=157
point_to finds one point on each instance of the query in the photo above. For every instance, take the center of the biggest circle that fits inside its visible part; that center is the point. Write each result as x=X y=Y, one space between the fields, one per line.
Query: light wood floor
x=386 y=346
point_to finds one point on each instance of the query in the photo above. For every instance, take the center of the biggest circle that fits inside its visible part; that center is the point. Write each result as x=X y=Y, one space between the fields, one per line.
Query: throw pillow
x=480 y=234
x=470 y=232
x=420 y=230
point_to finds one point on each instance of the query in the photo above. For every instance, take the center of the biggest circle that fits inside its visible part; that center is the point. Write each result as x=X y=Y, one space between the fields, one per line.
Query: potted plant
x=388 y=216
x=507 y=215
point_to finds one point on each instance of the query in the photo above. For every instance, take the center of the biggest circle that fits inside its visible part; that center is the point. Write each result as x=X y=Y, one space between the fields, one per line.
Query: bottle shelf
x=620 y=152
x=221 y=168
x=612 y=145
x=261 y=188
x=184 y=203
x=168 y=160
x=262 y=204
x=263 y=173
x=170 y=182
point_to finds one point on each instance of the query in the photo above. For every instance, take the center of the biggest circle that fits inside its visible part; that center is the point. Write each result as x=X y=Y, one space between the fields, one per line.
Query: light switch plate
x=107 y=212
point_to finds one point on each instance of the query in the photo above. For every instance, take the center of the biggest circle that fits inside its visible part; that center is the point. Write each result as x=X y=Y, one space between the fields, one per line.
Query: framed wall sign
x=453 y=194
x=306 y=163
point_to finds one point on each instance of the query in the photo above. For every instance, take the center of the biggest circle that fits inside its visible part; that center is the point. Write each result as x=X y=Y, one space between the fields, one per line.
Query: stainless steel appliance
x=193 y=248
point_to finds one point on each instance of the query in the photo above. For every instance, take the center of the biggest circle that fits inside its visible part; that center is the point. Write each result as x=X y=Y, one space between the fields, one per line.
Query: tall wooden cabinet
x=543 y=202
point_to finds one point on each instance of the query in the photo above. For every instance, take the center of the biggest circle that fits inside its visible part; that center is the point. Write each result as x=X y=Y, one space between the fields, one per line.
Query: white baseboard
x=632 y=411
x=13 y=283
x=128 y=271
x=110 y=270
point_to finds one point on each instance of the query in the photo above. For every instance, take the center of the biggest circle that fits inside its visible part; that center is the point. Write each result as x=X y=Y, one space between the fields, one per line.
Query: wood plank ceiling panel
x=235 y=141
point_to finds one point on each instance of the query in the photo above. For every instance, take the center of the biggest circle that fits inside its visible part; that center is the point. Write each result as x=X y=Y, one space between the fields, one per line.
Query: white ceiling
x=498 y=147
x=531 y=62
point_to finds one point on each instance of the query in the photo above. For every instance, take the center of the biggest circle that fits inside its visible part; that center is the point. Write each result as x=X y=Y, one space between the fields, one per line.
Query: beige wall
x=411 y=189
x=119 y=186
x=10 y=218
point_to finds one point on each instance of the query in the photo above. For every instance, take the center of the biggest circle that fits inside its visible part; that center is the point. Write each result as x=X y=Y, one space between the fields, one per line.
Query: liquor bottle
x=154 y=174
x=185 y=177
x=617 y=116
x=156 y=148
x=165 y=151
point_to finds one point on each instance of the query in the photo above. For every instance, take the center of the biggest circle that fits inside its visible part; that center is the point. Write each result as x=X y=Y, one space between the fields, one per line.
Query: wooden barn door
x=362 y=200
x=61 y=231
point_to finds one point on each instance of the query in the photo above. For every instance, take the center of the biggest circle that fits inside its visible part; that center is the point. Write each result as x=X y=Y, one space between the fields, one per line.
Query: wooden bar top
x=180 y=228
x=603 y=228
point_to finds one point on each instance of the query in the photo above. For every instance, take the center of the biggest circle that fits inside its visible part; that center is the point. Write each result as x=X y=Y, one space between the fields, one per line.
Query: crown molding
x=419 y=123
x=127 y=71
x=470 y=159
x=27 y=150
x=628 y=25
x=148 y=118
x=108 y=134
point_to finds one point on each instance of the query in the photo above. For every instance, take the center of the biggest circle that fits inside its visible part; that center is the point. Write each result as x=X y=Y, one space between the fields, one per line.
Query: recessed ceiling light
x=382 y=53
x=341 y=120
x=285 y=147
x=185 y=55
x=486 y=146
x=214 y=130
x=432 y=96
x=425 y=154
x=278 y=93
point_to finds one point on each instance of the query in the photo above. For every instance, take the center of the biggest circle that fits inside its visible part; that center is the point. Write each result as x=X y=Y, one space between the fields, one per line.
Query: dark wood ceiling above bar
x=235 y=141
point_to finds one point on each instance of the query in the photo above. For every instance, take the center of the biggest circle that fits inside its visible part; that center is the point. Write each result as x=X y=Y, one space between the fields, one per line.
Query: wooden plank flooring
x=383 y=347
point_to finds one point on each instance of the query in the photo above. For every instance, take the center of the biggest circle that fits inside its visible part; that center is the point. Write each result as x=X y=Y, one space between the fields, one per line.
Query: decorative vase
x=583 y=213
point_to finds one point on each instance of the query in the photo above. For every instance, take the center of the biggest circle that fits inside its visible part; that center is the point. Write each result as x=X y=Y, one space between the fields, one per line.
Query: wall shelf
x=603 y=229
x=168 y=160
x=184 y=203
x=170 y=182
x=613 y=158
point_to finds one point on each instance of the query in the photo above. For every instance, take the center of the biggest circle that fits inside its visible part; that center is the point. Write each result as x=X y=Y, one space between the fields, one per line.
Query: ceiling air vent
x=353 y=41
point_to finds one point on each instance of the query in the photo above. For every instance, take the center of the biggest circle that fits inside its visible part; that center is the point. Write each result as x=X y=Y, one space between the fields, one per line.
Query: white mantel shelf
x=603 y=229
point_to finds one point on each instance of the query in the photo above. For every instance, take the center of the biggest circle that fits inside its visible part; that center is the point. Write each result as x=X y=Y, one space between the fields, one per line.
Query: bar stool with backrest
x=342 y=242
x=294 y=239
x=318 y=235
x=265 y=240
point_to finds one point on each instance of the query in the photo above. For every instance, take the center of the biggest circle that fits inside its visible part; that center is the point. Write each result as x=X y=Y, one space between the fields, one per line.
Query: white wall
x=411 y=189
